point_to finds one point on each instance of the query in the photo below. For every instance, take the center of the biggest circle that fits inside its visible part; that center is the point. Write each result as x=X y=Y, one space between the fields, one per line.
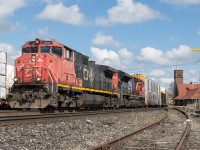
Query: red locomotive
x=49 y=74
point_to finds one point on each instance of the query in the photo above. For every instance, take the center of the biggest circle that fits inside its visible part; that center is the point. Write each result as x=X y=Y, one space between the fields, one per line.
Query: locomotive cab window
x=30 y=50
x=45 y=49
x=68 y=54
x=57 y=51
x=25 y=50
x=34 y=49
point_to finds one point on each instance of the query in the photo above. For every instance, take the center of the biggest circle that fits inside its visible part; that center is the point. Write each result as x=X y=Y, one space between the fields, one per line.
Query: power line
x=167 y=66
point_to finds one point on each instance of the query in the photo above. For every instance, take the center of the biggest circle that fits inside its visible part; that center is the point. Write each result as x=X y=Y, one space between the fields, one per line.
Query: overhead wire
x=164 y=66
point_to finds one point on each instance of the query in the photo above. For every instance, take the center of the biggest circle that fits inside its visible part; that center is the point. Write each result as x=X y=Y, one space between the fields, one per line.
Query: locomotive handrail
x=51 y=74
x=51 y=78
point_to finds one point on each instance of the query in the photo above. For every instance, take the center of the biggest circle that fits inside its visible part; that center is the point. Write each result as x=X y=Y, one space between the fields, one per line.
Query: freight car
x=164 y=97
x=49 y=74
x=151 y=91
x=6 y=83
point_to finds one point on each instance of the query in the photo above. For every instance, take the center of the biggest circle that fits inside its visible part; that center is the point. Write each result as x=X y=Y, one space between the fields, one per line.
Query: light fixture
x=33 y=57
x=38 y=79
x=15 y=79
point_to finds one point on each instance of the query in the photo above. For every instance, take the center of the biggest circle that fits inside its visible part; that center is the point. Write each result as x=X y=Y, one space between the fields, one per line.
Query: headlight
x=38 y=79
x=15 y=79
x=33 y=57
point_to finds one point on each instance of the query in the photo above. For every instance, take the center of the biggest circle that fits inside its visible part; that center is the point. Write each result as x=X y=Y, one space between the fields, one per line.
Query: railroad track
x=42 y=112
x=8 y=111
x=82 y=132
x=162 y=134
x=193 y=140
x=19 y=117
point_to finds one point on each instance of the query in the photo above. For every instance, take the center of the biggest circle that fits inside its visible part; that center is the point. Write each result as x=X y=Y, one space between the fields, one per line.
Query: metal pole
x=6 y=72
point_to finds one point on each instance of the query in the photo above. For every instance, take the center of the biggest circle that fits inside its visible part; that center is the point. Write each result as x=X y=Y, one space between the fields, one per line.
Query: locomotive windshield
x=45 y=49
x=57 y=51
x=30 y=50
x=54 y=50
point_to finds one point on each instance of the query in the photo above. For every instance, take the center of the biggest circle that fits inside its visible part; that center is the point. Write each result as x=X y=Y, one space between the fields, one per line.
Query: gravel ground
x=194 y=138
x=75 y=134
x=164 y=136
x=193 y=142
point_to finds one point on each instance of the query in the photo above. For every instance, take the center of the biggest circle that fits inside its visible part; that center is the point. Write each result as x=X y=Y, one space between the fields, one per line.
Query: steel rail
x=14 y=119
x=181 y=144
x=45 y=112
x=121 y=140
x=41 y=116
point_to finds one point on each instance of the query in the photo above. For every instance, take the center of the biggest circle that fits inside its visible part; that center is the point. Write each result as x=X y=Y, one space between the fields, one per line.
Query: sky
x=136 y=36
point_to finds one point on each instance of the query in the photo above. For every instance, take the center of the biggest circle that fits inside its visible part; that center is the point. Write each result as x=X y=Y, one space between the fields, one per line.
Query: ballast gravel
x=75 y=134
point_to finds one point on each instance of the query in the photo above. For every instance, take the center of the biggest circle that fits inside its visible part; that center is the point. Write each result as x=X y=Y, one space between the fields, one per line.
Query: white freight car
x=152 y=93
x=6 y=84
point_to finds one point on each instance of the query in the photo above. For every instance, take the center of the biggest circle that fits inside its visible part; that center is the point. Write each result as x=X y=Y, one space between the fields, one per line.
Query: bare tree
x=171 y=89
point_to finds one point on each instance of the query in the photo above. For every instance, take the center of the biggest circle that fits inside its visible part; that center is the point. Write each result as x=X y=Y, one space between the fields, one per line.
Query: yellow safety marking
x=85 y=89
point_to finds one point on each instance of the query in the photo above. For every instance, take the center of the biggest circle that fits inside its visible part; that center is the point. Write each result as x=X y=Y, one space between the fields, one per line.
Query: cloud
x=59 y=12
x=7 y=9
x=153 y=56
x=182 y=2
x=126 y=56
x=166 y=81
x=127 y=12
x=105 y=40
x=191 y=75
x=166 y=62
x=157 y=73
x=179 y=55
x=112 y=58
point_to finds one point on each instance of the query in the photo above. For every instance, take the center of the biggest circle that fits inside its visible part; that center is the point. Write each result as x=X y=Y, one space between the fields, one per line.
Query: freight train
x=49 y=74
